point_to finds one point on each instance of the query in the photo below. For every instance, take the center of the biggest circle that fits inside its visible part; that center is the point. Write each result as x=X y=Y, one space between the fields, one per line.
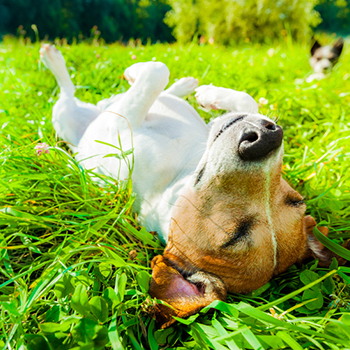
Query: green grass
x=75 y=265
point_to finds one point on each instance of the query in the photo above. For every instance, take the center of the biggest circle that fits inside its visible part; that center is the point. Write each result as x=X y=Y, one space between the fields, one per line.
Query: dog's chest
x=167 y=147
x=163 y=155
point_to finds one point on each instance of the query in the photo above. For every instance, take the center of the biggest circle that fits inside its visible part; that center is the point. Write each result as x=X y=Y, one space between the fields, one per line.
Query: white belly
x=167 y=148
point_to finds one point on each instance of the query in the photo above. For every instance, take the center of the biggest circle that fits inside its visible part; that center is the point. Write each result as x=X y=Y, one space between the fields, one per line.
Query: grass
x=75 y=265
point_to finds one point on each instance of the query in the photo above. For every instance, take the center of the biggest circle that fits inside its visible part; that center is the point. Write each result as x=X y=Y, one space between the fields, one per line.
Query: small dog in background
x=323 y=59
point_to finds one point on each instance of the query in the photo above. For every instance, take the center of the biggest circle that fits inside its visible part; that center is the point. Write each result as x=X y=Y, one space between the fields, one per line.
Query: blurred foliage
x=233 y=21
x=335 y=16
x=113 y=19
x=225 y=21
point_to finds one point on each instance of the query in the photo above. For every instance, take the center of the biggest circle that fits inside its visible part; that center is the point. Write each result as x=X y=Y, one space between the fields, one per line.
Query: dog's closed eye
x=240 y=233
x=228 y=124
x=199 y=176
x=294 y=201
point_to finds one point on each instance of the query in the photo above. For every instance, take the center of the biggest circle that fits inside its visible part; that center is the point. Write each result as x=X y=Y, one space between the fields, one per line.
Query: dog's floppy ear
x=314 y=47
x=338 y=46
x=185 y=296
x=315 y=248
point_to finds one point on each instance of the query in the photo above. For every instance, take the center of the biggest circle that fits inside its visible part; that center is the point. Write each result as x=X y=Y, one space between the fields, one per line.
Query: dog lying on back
x=323 y=59
x=214 y=193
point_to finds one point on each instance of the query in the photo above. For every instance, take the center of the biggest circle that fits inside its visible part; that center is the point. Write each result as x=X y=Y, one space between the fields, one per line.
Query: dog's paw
x=133 y=71
x=52 y=58
x=315 y=77
x=183 y=87
x=152 y=71
x=207 y=98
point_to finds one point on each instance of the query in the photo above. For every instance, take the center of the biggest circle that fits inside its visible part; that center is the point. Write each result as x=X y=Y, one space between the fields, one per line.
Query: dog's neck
x=156 y=210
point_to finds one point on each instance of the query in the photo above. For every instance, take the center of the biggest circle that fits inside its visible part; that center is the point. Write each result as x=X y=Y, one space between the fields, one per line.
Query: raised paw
x=133 y=71
x=149 y=70
x=183 y=87
x=52 y=58
x=213 y=97
x=207 y=97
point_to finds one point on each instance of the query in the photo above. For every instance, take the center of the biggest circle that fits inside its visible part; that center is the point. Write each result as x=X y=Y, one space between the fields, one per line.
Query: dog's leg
x=212 y=97
x=53 y=60
x=70 y=117
x=315 y=76
x=182 y=87
x=147 y=81
x=104 y=104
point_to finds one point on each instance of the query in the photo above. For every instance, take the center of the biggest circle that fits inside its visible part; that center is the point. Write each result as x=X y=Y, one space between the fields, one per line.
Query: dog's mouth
x=178 y=281
x=182 y=283
x=185 y=293
x=188 y=288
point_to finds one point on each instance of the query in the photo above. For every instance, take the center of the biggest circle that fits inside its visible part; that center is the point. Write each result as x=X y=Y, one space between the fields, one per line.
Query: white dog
x=214 y=194
x=168 y=136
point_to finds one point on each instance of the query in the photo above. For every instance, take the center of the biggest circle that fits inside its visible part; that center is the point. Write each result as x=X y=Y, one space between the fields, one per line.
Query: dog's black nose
x=258 y=139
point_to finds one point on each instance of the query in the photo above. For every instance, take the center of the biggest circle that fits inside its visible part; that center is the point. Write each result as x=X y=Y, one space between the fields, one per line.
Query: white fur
x=169 y=138
x=323 y=63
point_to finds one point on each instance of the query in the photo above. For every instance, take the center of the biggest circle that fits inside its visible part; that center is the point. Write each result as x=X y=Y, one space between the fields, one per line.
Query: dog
x=214 y=193
x=323 y=59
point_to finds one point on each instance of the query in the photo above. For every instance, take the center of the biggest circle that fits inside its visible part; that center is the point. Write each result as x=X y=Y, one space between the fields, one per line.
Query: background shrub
x=233 y=21
x=115 y=19
x=227 y=21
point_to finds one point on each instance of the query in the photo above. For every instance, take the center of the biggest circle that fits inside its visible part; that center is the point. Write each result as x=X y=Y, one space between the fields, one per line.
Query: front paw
x=206 y=96
x=156 y=71
x=183 y=87
x=132 y=72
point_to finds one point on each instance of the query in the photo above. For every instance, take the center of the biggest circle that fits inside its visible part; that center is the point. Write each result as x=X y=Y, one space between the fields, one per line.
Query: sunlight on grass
x=75 y=265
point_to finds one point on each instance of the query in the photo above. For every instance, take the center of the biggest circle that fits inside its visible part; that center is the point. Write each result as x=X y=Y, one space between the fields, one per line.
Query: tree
x=229 y=21
x=115 y=19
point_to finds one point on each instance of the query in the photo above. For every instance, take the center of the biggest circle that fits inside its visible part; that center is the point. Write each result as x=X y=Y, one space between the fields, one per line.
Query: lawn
x=75 y=265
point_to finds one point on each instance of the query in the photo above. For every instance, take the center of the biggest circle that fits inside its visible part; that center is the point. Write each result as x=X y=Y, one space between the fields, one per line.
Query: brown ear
x=185 y=296
x=338 y=46
x=314 y=47
x=315 y=248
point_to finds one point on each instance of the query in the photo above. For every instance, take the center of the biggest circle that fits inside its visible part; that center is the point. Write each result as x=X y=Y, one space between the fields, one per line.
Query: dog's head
x=323 y=58
x=237 y=225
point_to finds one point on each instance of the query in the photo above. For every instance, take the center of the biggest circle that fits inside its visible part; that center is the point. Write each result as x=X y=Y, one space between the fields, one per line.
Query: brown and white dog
x=323 y=59
x=213 y=193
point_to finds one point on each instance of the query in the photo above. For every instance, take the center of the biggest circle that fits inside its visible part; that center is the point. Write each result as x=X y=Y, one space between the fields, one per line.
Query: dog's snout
x=268 y=124
x=249 y=137
x=259 y=139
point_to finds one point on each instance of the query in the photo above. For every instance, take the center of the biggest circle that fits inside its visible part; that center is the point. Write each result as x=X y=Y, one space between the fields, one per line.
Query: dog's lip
x=196 y=288
x=183 y=286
